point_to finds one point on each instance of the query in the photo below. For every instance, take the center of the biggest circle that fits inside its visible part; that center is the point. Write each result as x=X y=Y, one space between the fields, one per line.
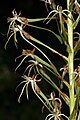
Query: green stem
x=70 y=59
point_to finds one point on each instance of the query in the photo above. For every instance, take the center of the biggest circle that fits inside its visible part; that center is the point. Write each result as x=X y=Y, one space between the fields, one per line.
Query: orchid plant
x=36 y=67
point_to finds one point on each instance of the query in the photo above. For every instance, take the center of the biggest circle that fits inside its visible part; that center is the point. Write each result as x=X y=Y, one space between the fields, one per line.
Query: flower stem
x=70 y=59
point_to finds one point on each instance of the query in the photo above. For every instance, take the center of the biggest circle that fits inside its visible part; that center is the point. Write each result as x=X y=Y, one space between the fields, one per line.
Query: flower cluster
x=26 y=53
x=33 y=63
x=57 y=11
x=57 y=104
x=14 y=27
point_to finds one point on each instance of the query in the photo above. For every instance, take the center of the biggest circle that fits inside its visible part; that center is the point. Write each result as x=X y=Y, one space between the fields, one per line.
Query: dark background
x=10 y=109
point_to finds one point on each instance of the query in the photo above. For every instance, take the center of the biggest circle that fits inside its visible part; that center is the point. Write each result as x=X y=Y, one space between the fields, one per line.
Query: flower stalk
x=70 y=59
